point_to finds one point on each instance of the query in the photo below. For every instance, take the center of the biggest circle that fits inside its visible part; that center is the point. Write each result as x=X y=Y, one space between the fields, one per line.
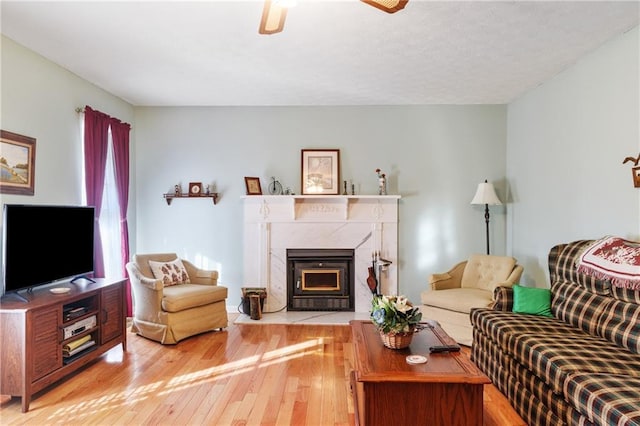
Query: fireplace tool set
x=378 y=265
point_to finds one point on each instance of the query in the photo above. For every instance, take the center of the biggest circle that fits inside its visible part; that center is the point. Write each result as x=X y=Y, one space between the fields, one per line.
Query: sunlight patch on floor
x=130 y=396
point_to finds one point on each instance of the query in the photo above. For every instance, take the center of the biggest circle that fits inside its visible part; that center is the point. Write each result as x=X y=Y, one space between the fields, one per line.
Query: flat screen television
x=43 y=244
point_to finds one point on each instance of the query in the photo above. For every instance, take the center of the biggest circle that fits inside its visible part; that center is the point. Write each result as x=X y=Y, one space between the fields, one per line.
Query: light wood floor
x=246 y=375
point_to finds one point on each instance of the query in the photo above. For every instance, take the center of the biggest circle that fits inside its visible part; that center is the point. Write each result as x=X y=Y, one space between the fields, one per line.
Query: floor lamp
x=486 y=194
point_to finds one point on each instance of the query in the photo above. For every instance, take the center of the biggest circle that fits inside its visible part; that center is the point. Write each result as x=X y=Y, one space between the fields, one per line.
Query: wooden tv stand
x=32 y=333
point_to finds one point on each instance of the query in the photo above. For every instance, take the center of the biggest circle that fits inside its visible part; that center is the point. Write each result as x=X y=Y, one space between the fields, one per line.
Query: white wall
x=566 y=142
x=434 y=156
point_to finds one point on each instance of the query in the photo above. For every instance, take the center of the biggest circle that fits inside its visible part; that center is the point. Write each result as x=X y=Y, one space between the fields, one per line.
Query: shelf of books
x=77 y=348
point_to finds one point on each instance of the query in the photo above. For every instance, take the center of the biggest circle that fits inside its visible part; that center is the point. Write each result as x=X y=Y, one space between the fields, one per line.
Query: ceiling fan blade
x=273 y=17
x=389 y=6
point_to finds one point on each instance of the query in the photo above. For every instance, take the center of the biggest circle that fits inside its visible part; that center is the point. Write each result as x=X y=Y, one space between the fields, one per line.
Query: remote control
x=444 y=348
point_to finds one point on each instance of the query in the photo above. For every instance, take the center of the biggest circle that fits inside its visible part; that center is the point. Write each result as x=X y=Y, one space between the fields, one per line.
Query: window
x=110 y=219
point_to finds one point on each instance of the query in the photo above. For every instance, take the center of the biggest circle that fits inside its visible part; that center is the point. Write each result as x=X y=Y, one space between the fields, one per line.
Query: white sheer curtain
x=110 y=220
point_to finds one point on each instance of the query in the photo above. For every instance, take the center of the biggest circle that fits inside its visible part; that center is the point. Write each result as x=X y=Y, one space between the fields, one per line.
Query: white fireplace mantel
x=272 y=224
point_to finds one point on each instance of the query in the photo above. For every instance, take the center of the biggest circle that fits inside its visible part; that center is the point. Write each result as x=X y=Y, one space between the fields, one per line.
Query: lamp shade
x=486 y=194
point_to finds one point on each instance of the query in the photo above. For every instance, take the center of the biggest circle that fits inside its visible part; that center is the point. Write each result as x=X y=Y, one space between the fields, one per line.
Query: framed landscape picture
x=17 y=163
x=320 y=172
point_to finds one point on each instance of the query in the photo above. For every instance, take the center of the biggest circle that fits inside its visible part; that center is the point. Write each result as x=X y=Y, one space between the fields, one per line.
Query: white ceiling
x=341 y=52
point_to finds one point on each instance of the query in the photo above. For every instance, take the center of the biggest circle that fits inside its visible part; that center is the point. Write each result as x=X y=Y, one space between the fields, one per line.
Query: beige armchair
x=469 y=284
x=169 y=313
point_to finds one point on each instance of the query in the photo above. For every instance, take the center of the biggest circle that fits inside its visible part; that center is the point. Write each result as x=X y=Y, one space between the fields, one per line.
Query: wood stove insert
x=320 y=280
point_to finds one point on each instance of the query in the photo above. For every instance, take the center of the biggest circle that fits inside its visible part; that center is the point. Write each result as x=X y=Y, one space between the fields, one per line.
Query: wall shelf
x=169 y=197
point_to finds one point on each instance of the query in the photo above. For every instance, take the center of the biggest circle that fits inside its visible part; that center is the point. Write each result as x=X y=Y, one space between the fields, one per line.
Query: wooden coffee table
x=447 y=390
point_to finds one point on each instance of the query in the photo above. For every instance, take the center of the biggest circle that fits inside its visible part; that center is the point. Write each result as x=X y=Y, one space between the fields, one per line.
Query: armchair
x=469 y=284
x=167 y=312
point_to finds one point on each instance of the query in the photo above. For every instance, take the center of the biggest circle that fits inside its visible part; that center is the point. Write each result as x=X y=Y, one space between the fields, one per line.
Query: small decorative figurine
x=177 y=189
x=206 y=189
x=382 y=183
x=345 y=189
x=275 y=187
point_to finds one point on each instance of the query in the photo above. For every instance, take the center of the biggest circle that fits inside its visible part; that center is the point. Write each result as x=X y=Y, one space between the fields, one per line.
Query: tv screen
x=43 y=244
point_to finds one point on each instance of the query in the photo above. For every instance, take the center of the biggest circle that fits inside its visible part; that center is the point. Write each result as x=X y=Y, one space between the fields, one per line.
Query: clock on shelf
x=195 y=189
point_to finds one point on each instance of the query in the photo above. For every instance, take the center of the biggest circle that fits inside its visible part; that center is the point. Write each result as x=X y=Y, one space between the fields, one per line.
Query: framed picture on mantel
x=253 y=185
x=18 y=163
x=320 y=171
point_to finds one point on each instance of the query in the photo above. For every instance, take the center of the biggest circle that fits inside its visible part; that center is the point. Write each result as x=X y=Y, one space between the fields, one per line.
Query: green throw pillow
x=531 y=300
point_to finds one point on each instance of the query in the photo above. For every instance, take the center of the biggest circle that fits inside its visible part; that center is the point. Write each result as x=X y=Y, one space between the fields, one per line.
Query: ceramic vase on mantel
x=396 y=340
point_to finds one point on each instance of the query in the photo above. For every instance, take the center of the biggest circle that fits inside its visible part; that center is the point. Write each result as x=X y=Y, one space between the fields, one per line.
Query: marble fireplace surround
x=275 y=223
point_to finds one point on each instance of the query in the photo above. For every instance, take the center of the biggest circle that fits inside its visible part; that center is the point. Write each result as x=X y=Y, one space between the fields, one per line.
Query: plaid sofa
x=581 y=367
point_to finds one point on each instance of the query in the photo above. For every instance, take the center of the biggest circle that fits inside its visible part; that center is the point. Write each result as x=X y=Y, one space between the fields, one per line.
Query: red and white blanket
x=614 y=259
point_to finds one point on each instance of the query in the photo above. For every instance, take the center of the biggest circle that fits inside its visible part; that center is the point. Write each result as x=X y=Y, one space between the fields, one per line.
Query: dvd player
x=79 y=327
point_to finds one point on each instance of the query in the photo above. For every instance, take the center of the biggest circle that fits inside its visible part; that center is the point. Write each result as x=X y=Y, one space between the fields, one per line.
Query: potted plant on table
x=396 y=319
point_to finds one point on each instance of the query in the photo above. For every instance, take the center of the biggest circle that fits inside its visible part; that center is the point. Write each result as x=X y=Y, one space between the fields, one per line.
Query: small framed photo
x=636 y=177
x=18 y=163
x=195 y=189
x=320 y=172
x=253 y=185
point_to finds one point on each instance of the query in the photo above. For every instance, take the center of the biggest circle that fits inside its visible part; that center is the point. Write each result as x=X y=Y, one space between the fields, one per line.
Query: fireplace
x=364 y=224
x=320 y=280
